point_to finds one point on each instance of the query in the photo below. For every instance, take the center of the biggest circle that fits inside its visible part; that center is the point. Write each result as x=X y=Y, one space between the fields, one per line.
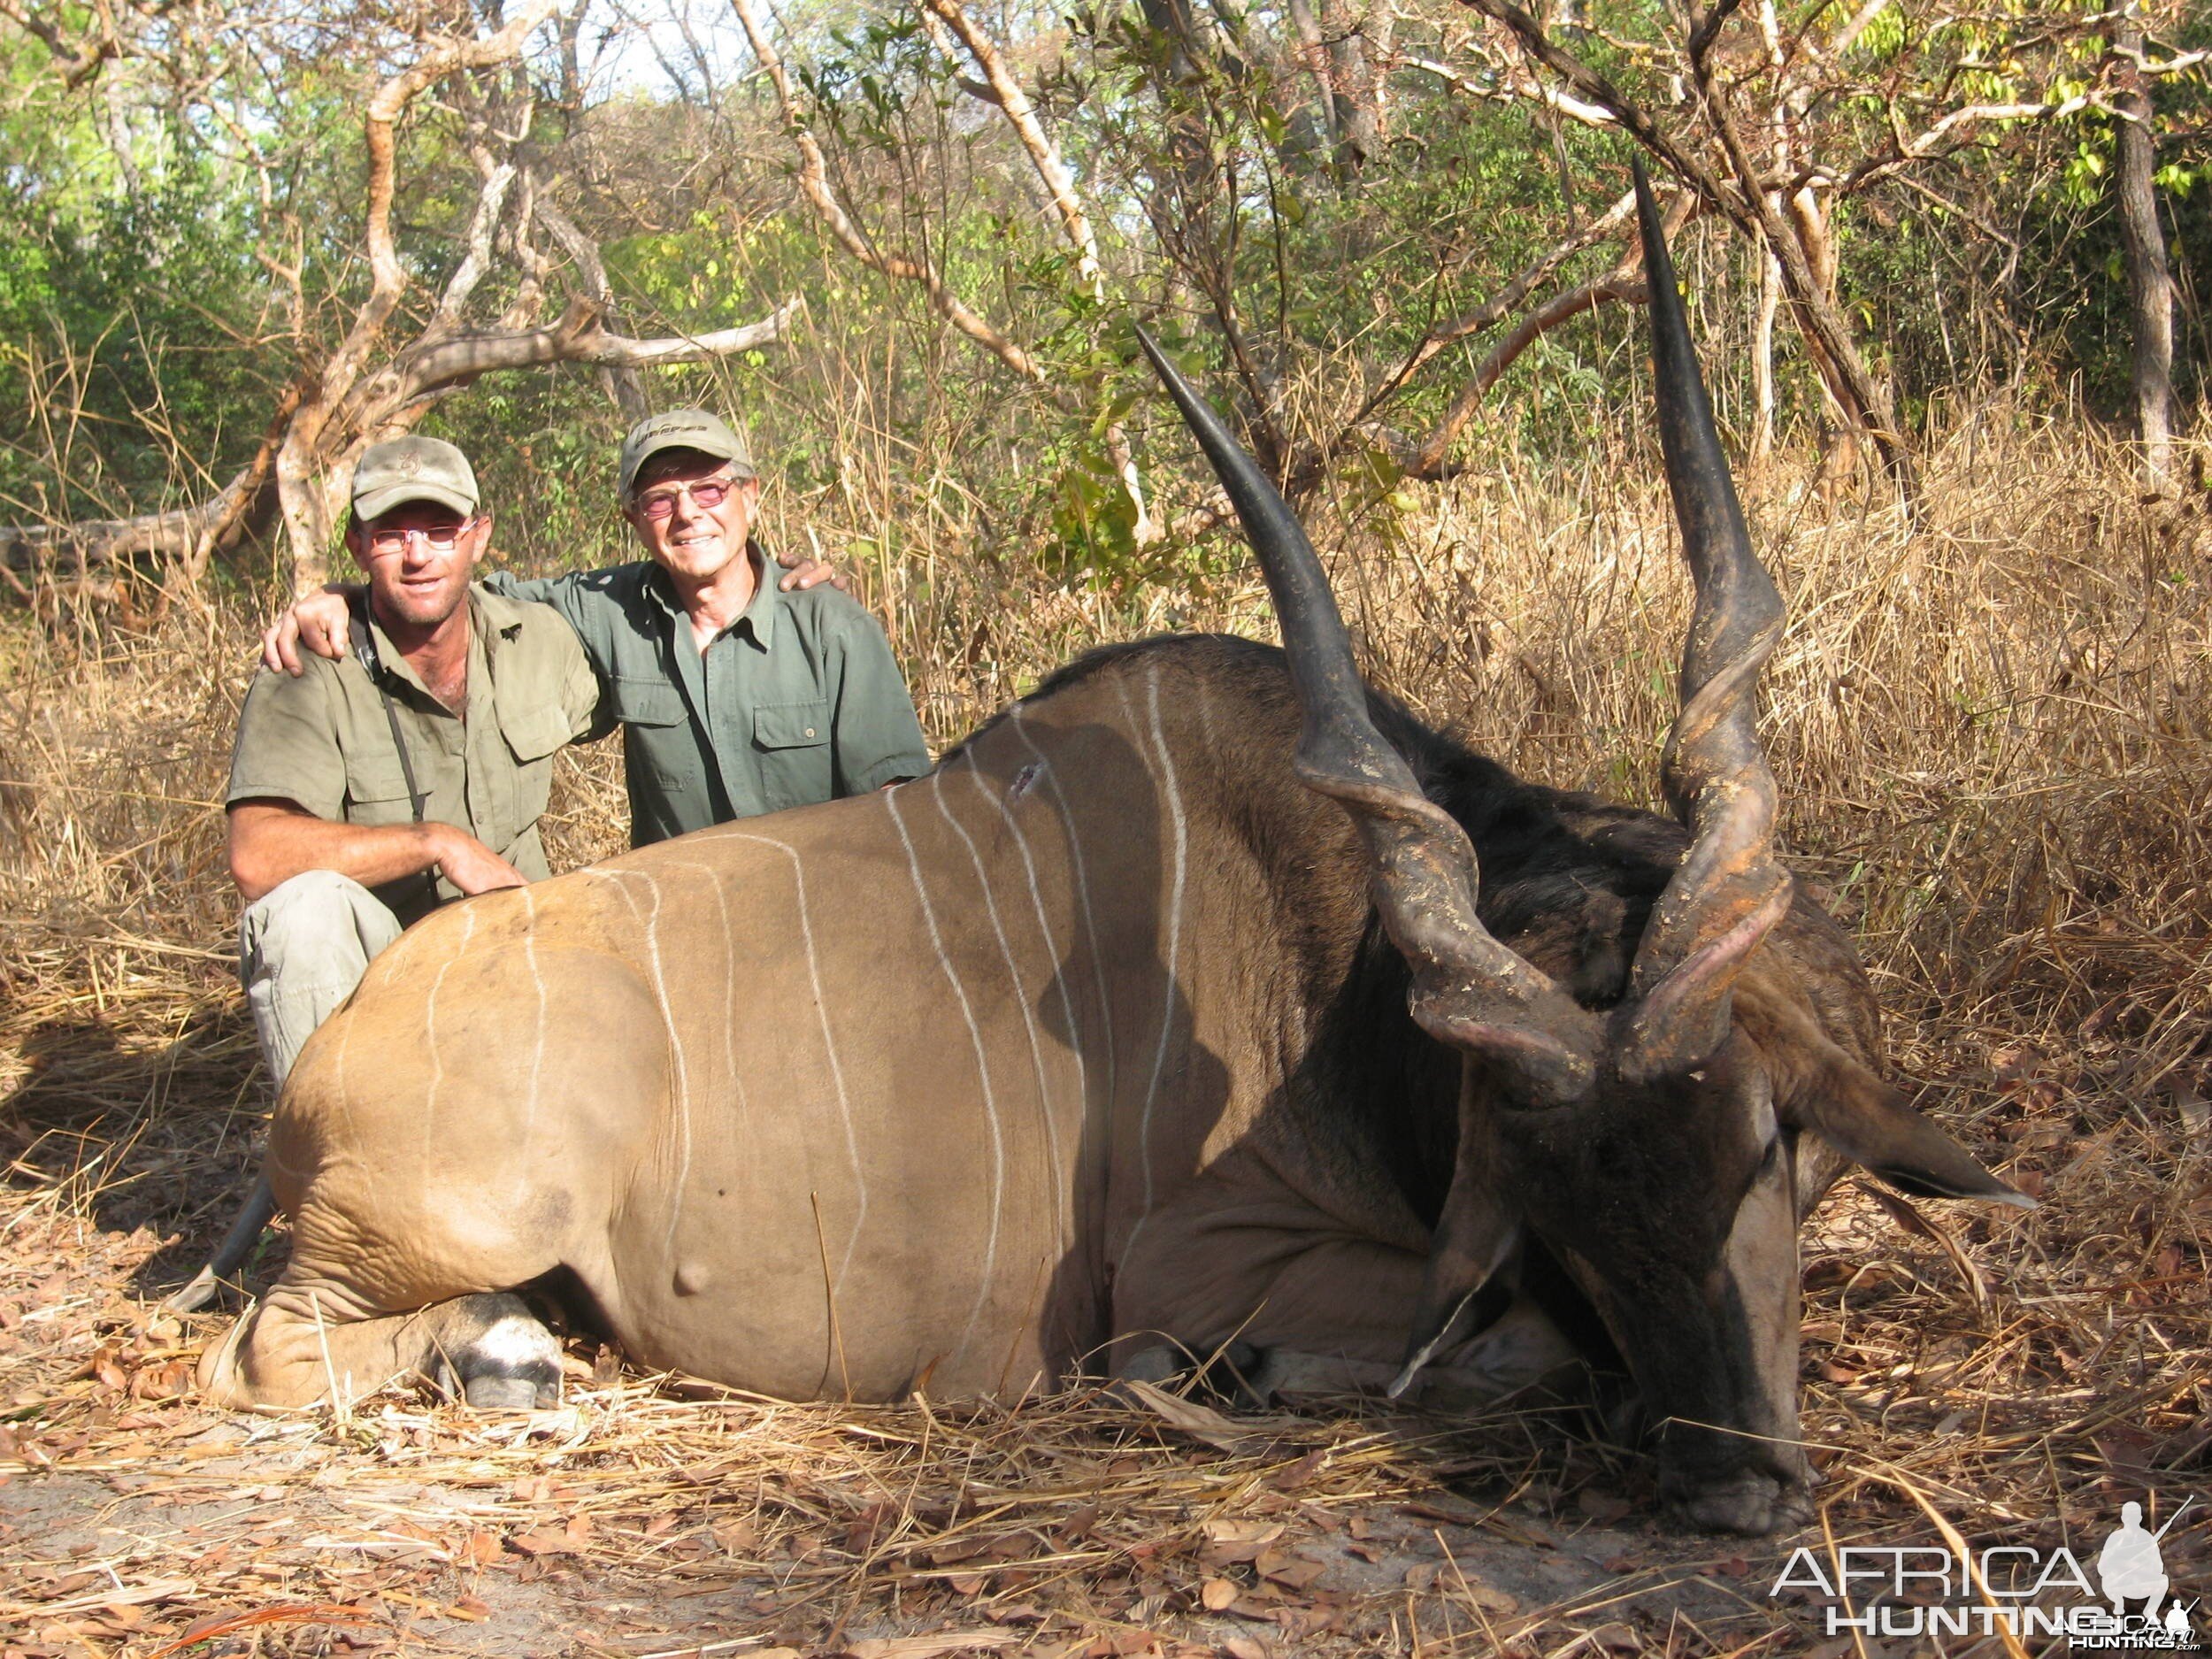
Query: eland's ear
x=1476 y=1233
x=1840 y=1100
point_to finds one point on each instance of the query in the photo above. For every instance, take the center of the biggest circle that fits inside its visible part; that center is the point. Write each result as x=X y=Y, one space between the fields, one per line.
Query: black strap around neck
x=365 y=649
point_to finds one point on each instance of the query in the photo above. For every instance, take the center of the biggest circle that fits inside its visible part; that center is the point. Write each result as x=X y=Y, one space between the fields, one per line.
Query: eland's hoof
x=508 y=1394
x=494 y=1354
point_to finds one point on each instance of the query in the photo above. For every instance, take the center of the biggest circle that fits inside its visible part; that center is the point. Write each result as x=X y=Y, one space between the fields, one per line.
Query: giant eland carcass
x=1201 y=995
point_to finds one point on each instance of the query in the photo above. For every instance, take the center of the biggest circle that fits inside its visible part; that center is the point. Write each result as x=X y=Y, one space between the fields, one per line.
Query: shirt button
x=810 y=731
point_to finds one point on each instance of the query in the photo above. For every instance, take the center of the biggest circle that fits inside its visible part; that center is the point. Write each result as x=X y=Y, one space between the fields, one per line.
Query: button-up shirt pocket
x=646 y=702
x=533 y=734
x=657 y=735
x=376 y=790
x=793 y=739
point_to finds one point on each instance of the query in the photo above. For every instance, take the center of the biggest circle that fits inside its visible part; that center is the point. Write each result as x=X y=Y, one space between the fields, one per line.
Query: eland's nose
x=1752 y=1499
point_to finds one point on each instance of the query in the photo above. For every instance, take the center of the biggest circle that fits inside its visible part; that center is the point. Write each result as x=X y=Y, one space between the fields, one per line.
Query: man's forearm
x=269 y=846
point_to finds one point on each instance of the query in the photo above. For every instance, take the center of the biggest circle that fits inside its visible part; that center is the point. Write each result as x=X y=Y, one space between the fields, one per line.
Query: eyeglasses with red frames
x=706 y=494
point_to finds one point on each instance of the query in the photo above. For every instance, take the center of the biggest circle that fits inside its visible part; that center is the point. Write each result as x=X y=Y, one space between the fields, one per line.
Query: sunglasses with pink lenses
x=707 y=494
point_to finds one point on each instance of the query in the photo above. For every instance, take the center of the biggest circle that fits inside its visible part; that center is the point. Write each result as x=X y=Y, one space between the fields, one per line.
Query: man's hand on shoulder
x=802 y=572
x=320 y=621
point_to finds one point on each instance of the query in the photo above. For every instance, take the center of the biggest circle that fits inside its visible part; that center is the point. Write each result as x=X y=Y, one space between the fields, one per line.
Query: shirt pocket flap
x=372 y=778
x=646 y=702
x=792 y=725
x=534 y=732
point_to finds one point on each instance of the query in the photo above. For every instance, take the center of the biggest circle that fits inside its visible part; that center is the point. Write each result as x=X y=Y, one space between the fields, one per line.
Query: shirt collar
x=759 y=615
x=484 y=643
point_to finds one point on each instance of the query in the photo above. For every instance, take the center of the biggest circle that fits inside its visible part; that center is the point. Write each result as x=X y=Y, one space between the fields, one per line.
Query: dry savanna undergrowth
x=1994 y=733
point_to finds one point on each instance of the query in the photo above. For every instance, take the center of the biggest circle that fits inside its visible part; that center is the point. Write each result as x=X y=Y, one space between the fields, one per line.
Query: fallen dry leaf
x=1604 y=1507
x=1296 y=1571
x=1232 y=1543
x=1201 y=1422
x=930 y=1647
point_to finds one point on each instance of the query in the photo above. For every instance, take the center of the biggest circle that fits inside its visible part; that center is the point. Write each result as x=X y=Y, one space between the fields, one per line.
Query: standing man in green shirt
x=734 y=696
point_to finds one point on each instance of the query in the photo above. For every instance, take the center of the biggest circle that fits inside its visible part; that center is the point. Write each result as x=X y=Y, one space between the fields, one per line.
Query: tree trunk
x=1357 y=38
x=2150 y=289
x=1839 y=453
x=1763 y=354
x=1313 y=52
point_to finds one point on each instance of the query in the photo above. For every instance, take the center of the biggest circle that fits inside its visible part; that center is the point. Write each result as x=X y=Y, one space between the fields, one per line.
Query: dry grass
x=1990 y=729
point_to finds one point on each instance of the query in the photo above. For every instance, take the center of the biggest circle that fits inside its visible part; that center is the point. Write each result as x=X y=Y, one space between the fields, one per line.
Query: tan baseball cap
x=413 y=469
x=682 y=429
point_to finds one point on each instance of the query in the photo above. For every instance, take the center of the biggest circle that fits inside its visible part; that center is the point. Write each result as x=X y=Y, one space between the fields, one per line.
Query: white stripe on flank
x=621 y=879
x=537 y=1049
x=1013 y=974
x=1082 y=893
x=1174 y=797
x=1052 y=951
x=729 y=966
x=829 y=1043
x=430 y=1038
x=982 y=1066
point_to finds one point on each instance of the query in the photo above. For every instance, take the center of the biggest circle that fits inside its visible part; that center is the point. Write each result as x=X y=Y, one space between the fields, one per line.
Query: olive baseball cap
x=682 y=429
x=413 y=469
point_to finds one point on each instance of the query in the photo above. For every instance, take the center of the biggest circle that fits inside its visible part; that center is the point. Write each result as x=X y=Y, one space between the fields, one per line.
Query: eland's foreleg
x=301 y=1350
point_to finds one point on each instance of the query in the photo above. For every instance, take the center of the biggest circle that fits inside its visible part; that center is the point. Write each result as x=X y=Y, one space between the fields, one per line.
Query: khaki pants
x=301 y=948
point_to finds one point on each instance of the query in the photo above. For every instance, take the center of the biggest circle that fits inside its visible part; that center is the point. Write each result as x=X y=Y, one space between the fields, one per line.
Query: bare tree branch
x=814 y=183
x=1750 y=200
x=1623 y=282
x=1536 y=92
x=183 y=536
x=1044 y=155
x=491 y=202
x=416 y=380
x=307 y=485
x=1597 y=90
x=1492 y=310
x=76 y=64
x=1865 y=405
x=623 y=388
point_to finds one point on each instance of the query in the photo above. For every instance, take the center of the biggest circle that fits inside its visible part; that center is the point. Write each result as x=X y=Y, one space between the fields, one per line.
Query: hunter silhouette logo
x=2129 y=1566
x=1929 y=1591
